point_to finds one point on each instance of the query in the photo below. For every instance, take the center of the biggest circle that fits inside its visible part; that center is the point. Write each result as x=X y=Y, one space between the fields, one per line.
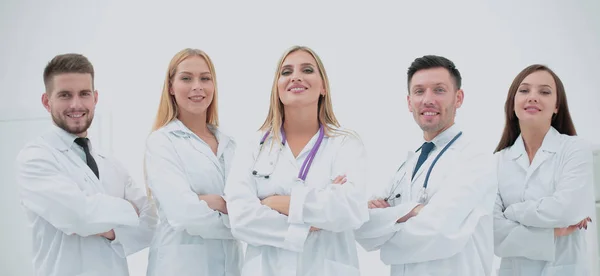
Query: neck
x=195 y=122
x=428 y=136
x=303 y=121
x=533 y=137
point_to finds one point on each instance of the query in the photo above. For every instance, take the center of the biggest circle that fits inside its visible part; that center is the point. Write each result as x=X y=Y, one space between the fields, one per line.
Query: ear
x=460 y=96
x=409 y=103
x=46 y=101
x=95 y=96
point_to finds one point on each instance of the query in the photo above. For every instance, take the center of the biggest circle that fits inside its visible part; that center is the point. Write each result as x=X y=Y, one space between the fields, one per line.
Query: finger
x=385 y=203
x=378 y=204
x=382 y=203
x=371 y=205
x=337 y=180
x=344 y=180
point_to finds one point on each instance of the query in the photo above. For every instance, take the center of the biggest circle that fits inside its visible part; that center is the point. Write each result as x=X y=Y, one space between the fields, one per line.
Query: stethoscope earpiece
x=254 y=172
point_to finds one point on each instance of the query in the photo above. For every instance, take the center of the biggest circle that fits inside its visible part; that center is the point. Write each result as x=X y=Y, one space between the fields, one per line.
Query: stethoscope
x=423 y=197
x=305 y=166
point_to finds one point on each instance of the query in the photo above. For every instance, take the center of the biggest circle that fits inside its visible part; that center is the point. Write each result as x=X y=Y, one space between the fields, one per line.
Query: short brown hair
x=561 y=121
x=67 y=63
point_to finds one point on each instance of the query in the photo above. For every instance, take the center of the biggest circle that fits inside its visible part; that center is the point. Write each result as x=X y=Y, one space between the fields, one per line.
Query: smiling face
x=193 y=86
x=71 y=101
x=300 y=82
x=433 y=100
x=536 y=99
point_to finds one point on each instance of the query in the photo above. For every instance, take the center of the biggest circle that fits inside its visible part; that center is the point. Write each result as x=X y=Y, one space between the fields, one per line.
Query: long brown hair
x=561 y=121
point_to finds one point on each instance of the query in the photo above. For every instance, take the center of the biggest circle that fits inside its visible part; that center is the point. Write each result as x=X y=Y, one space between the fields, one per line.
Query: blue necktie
x=425 y=150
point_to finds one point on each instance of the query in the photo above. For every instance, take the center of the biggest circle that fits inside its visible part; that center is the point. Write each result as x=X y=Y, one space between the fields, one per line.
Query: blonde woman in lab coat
x=187 y=163
x=545 y=192
x=298 y=191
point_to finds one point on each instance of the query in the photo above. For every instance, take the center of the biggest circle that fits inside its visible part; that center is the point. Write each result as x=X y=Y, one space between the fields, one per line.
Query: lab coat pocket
x=252 y=266
x=504 y=272
x=181 y=260
x=563 y=270
x=333 y=268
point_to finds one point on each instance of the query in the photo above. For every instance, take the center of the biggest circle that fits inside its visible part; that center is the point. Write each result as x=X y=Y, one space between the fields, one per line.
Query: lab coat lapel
x=204 y=148
x=55 y=141
x=518 y=154
x=179 y=129
x=548 y=149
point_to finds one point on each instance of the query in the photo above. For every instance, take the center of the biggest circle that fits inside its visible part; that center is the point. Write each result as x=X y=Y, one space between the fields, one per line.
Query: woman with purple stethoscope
x=298 y=192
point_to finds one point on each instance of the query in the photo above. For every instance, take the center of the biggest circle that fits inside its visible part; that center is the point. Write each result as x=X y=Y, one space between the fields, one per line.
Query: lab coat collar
x=177 y=128
x=550 y=144
x=444 y=138
x=63 y=140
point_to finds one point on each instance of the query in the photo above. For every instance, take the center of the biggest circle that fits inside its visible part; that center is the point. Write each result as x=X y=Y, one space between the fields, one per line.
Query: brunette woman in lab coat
x=187 y=162
x=545 y=192
x=297 y=192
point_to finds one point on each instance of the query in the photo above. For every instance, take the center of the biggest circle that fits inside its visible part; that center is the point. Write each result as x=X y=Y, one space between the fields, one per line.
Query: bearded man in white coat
x=86 y=213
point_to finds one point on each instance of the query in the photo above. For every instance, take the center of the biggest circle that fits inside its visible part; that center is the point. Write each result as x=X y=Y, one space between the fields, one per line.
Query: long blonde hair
x=167 y=107
x=275 y=118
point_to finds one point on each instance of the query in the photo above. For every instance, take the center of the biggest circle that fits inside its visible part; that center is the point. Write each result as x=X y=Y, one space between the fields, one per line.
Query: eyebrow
x=540 y=85
x=189 y=73
x=435 y=84
x=303 y=64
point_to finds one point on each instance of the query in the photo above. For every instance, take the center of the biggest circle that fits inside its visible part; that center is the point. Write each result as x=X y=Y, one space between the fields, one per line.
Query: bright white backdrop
x=366 y=48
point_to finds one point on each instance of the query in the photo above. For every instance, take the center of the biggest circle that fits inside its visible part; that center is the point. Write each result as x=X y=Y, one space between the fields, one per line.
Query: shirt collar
x=445 y=136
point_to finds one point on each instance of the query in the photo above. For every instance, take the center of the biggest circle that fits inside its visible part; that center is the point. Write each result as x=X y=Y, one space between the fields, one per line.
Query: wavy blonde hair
x=167 y=108
x=275 y=118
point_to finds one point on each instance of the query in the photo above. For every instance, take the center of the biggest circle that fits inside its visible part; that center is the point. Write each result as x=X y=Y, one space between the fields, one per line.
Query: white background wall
x=366 y=49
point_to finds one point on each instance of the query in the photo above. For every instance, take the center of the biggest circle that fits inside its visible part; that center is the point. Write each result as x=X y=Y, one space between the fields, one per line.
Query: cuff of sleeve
x=297 y=198
x=124 y=213
x=547 y=241
x=402 y=210
x=510 y=213
x=116 y=244
x=296 y=236
x=225 y=220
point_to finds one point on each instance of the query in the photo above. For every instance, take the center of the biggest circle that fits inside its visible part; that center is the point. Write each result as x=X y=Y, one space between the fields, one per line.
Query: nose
x=197 y=85
x=75 y=102
x=532 y=97
x=296 y=76
x=428 y=97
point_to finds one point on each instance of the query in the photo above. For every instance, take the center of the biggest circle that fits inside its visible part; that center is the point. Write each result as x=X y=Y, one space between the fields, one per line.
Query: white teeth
x=429 y=113
x=75 y=115
x=196 y=98
x=298 y=89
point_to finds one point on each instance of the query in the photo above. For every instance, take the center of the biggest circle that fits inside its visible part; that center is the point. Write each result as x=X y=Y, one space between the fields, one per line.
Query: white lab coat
x=67 y=205
x=452 y=234
x=191 y=238
x=280 y=245
x=555 y=191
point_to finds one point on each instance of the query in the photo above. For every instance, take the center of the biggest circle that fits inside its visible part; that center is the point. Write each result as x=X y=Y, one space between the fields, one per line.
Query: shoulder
x=345 y=137
x=471 y=148
x=37 y=148
x=575 y=147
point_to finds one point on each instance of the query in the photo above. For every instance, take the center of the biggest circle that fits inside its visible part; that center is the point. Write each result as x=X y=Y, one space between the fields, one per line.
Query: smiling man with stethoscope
x=435 y=217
